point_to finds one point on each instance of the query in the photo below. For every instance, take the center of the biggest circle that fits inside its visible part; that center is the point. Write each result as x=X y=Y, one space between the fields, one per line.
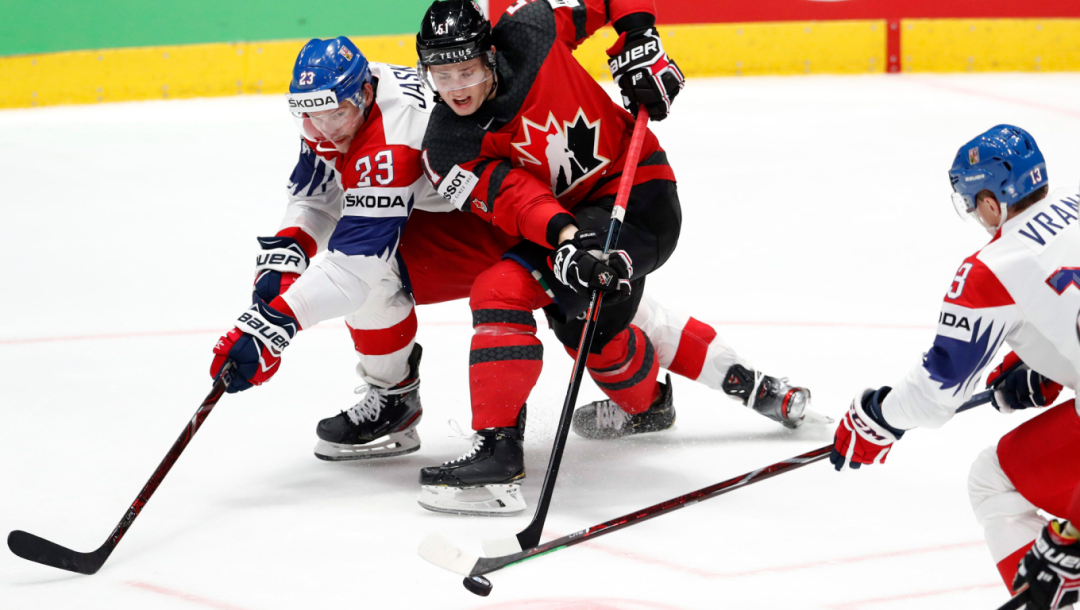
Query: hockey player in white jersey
x=351 y=193
x=1022 y=290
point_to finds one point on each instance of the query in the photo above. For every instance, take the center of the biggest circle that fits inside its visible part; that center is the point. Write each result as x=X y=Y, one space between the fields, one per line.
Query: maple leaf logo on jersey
x=569 y=151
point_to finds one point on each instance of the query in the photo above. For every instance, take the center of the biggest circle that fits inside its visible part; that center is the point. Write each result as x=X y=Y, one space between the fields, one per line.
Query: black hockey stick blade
x=1018 y=601
x=40 y=550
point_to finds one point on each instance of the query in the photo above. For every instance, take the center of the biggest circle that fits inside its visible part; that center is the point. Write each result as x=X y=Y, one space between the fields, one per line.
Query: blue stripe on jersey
x=317 y=178
x=310 y=173
x=363 y=236
x=955 y=363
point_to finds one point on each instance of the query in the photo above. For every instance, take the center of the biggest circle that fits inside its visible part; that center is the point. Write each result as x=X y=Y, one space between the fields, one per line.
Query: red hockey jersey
x=551 y=138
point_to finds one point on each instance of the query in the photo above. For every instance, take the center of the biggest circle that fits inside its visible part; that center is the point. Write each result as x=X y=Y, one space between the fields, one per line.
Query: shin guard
x=505 y=357
x=626 y=370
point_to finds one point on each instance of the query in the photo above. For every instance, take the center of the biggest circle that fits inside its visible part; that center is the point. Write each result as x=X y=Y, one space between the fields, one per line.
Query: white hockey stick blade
x=439 y=551
x=814 y=418
x=501 y=546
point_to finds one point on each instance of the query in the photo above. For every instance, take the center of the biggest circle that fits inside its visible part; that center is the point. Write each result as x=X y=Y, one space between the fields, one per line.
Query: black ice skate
x=381 y=425
x=771 y=397
x=484 y=481
x=604 y=418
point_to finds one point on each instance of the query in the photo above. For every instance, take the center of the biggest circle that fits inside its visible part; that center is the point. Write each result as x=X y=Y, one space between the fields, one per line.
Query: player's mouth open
x=462 y=102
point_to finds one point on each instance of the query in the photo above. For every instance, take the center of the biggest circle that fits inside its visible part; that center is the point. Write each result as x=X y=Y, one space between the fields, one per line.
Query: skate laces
x=370 y=407
x=610 y=415
x=457 y=432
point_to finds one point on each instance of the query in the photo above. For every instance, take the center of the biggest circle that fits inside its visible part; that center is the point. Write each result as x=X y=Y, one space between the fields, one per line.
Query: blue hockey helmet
x=328 y=74
x=1004 y=160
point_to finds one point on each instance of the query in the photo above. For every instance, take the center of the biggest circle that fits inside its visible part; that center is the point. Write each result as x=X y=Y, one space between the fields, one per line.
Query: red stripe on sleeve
x=383 y=341
x=279 y=304
x=306 y=241
x=976 y=287
x=693 y=347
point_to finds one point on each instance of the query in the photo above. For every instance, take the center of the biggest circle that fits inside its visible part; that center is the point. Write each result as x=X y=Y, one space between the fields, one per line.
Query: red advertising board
x=742 y=11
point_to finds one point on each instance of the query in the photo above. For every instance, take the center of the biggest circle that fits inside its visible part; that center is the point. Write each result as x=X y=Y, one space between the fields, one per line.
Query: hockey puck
x=477 y=585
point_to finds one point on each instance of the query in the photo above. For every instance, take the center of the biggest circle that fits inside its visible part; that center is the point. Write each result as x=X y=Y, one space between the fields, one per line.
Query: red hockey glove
x=1017 y=387
x=644 y=73
x=1051 y=570
x=581 y=264
x=279 y=263
x=863 y=437
x=255 y=344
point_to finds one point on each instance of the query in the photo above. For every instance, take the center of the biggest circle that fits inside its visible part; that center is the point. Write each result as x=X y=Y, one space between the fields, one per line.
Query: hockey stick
x=530 y=536
x=1016 y=602
x=438 y=550
x=33 y=548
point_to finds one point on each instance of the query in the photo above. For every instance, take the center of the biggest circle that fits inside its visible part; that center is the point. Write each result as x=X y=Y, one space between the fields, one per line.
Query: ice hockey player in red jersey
x=356 y=182
x=1021 y=289
x=525 y=139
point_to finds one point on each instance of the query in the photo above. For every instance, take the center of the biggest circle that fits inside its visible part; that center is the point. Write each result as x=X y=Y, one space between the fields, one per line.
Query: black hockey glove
x=1051 y=570
x=277 y=266
x=643 y=72
x=1017 y=387
x=581 y=264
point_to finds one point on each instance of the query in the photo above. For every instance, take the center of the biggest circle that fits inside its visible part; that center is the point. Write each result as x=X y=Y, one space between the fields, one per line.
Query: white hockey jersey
x=1023 y=289
x=356 y=204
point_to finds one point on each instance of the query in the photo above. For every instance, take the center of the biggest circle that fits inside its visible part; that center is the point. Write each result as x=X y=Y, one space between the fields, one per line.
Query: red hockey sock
x=626 y=370
x=382 y=341
x=505 y=357
x=693 y=348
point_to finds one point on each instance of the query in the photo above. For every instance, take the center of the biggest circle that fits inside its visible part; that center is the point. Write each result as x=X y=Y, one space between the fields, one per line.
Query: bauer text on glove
x=644 y=73
x=256 y=342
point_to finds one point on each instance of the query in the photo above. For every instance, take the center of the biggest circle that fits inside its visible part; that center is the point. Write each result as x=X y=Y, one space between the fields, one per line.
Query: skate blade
x=483 y=501
x=814 y=418
x=391 y=445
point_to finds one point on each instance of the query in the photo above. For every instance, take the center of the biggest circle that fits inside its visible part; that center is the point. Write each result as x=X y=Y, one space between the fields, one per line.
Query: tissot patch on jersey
x=564 y=3
x=569 y=150
x=457 y=185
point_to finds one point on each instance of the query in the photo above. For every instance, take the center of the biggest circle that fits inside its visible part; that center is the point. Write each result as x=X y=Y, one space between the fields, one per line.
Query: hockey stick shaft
x=977 y=400
x=34 y=548
x=1016 y=602
x=530 y=536
x=487 y=565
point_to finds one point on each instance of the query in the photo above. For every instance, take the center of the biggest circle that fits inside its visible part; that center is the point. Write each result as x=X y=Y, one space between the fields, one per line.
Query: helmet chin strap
x=1001 y=220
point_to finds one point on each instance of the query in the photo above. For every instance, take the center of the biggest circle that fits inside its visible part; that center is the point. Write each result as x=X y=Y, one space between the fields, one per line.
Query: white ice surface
x=818 y=237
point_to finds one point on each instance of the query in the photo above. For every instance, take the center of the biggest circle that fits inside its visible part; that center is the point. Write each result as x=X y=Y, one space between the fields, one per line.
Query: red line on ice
x=218 y=331
x=780 y=568
x=195 y=599
x=921 y=594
